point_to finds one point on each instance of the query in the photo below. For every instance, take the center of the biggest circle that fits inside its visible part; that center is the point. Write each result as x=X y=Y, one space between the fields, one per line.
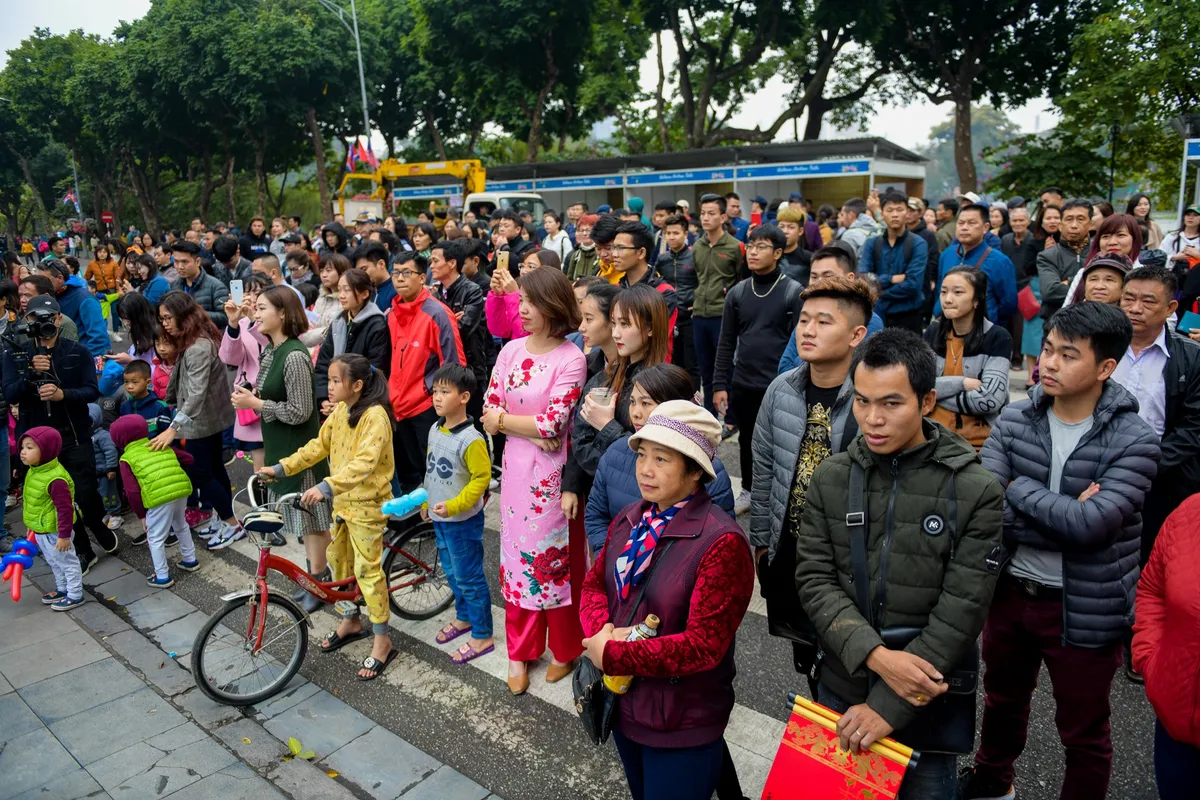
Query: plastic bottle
x=648 y=629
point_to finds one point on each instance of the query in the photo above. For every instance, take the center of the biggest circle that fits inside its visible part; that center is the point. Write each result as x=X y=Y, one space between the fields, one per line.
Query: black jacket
x=465 y=296
x=1179 y=466
x=368 y=336
x=74 y=370
x=1023 y=255
x=756 y=330
x=679 y=270
x=253 y=246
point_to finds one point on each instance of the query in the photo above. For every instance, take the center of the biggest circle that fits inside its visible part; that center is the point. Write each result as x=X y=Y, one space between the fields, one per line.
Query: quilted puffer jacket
x=778 y=433
x=1100 y=538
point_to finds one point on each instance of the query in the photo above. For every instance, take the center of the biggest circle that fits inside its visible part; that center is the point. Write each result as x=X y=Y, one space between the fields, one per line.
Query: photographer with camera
x=52 y=380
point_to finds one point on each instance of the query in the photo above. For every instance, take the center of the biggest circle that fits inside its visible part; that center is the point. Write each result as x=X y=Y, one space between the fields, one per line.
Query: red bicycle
x=252 y=646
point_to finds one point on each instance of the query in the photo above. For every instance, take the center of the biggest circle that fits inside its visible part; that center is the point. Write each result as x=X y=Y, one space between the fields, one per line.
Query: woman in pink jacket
x=503 y=304
x=241 y=346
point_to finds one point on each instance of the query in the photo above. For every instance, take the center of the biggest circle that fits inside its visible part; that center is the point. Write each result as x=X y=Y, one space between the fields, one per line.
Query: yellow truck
x=469 y=171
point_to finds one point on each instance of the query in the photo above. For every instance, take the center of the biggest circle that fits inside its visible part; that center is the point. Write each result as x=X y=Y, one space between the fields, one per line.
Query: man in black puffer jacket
x=1076 y=461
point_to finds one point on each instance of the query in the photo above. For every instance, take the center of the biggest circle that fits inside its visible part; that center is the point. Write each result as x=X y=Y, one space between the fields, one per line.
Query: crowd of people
x=896 y=505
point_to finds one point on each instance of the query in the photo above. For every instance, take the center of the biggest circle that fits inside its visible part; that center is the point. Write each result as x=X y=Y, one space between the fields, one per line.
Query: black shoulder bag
x=593 y=703
x=947 y=724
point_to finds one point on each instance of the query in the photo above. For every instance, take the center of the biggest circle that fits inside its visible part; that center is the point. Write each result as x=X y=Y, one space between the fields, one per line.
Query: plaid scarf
x=631 y=565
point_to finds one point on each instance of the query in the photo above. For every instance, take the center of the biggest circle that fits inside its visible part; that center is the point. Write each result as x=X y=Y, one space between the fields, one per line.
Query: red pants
x=1021 y=632
x=528 y=630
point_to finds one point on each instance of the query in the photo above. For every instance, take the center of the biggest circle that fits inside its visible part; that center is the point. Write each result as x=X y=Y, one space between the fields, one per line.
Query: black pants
x=745 y=404
x=908 y=320
x=209 y=475
x=79 y=460
x=409 y=443
x=683 y=353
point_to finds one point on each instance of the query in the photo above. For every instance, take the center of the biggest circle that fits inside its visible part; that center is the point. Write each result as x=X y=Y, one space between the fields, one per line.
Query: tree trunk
x=282 y=188
x=143 y=193
x=817 y=108
x=39 y=207
x=229 y=180
x=534 y=143
x=260 y=172
x=660 y=104
x=318 y=141
x=434 y=134
x=964 y=157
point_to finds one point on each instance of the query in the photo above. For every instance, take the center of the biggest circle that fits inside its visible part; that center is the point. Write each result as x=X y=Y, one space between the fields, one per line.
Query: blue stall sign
x=680 y=176
x=811 y=168
x=1193 y=149
x=425 y=192
x=585 y=182
x=510 y=186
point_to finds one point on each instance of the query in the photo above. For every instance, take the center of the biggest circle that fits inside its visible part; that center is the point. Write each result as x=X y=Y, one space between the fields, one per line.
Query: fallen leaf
x=151 y=711
x=245 y=740
x=162 y=664
x=307 y=755
x=294 y=745
x=114 y=597
x=333 y=773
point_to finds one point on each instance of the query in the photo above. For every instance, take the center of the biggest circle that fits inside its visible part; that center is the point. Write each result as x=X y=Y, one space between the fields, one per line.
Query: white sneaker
x=113 y=522
x=227 y=535
x=12 y=501
x=742 y=504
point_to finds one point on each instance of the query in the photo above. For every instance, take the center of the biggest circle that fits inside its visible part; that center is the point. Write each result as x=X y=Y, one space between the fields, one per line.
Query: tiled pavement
x=99 y=704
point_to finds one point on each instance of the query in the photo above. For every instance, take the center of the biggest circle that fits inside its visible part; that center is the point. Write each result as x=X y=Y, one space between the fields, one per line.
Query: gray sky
x=907 y=126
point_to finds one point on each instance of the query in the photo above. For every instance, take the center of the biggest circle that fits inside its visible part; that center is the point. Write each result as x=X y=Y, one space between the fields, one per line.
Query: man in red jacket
x=424 y=336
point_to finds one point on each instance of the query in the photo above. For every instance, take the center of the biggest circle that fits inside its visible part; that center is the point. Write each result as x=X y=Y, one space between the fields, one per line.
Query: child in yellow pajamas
x=357 y=440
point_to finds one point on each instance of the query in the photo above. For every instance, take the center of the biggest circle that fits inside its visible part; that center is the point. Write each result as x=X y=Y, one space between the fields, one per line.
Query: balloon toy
x=406 y=504
x=16 y=562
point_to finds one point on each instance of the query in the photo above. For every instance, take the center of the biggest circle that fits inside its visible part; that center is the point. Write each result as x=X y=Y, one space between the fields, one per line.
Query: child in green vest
x=49 y=512
x=158 y=489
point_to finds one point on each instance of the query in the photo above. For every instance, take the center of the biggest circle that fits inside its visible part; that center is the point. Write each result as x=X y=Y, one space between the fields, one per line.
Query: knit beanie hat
x=47 y=439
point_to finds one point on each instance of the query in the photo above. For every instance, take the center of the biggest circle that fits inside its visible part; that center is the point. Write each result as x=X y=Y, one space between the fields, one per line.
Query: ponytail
x=375 y=386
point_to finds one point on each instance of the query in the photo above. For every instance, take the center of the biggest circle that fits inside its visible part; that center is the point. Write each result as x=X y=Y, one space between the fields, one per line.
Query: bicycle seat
x=263 y=522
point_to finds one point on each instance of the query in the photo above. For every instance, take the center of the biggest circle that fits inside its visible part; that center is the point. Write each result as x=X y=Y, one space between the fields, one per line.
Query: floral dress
x=534 y=552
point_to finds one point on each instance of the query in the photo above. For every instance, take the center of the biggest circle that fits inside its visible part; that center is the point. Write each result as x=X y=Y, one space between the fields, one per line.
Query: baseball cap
x=290 y=238
x=42 y=302
x=758 y=198
x=916 y=204
x=1194 y=208
x=1016 y=202
x=974 y=198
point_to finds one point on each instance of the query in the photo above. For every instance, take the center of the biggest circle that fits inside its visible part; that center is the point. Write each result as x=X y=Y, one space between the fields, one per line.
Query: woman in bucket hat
x=676 y=555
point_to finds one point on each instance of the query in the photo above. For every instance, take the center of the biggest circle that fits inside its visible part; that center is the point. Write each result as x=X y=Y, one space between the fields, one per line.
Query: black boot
x=310 y=603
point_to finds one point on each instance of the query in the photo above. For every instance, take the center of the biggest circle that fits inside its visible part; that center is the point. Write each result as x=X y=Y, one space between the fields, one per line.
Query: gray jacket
x=1058 y=264
x=859 y=231
x=210 y=294
x=200 y=389
x=782 y=419
x=1100 y=538
x=990 y=366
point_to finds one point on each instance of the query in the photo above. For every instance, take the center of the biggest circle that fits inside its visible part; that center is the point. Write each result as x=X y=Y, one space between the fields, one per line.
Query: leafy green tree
x=1136 y=67
x=1009 y=51
x=1028 y=163
x=990 y=128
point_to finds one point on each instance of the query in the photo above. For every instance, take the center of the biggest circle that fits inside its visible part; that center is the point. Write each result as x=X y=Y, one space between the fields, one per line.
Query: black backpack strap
x=856 y=529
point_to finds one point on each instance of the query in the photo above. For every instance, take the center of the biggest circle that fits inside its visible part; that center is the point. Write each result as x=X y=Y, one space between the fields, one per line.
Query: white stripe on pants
x=160 y=520
x=68 y=575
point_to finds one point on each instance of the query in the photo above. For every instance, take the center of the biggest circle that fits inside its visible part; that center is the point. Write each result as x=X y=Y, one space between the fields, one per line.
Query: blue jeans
x=460 y=548
x=1176 y=765
x=935 y=776
x=108 y=493
x=670 y=773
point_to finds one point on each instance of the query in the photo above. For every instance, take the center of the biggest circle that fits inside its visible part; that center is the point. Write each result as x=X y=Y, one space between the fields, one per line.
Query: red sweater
x=1166 y=636
x=724 y=585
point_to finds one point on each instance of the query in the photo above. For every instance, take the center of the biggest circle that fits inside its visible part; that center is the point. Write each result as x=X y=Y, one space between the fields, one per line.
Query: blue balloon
x=406 y=504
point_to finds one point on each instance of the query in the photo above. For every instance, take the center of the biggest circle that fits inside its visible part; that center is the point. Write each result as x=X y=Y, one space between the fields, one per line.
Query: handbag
x=247 y=416
x=594 y=704
x=1027 y=303
x=947 y=724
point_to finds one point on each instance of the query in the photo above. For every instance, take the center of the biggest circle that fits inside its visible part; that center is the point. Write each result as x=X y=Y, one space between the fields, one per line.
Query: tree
x=1028 y=163
x=1009 y=51
x=1135 y=67
x=990 y=129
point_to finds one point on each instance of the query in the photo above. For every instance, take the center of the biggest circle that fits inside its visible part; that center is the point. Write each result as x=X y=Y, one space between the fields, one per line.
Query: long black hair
x=142 y=318
x=664 y=382
x=974 y=340
x=375 y=386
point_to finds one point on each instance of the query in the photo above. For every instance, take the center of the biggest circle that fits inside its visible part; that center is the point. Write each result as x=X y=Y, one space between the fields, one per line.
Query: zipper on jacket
x=888 y=524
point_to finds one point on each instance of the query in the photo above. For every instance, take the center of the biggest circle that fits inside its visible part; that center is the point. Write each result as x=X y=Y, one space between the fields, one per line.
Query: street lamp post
x=352 y=27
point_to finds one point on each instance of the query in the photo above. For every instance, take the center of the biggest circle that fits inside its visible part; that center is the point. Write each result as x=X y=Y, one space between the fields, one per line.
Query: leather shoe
x=519 y=684
x=556 y=672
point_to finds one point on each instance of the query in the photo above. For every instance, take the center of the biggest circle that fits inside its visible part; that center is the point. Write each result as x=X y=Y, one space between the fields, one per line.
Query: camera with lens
x=36 y=325
x=18 y=336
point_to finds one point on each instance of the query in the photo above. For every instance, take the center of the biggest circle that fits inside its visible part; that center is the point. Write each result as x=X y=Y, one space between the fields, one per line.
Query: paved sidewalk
x=99 y=703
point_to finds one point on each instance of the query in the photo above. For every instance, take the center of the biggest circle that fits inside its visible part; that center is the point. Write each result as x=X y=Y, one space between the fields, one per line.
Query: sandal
x=450 y=633
x=376 y=666
x=338 y=642
x=467 y=653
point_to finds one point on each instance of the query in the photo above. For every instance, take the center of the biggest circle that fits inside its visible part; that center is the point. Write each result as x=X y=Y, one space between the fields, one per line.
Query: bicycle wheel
x=417 y=585
x=224 y=664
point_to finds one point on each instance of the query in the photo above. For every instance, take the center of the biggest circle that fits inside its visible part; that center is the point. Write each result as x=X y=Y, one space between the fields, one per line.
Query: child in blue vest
x=457 y=474
x=49 y=512
x=158 y=488
x=140 y=398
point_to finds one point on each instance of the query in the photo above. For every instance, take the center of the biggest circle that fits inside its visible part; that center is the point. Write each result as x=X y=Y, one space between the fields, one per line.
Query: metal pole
x=362 y=80
x=1183 y=178
x=78 y=196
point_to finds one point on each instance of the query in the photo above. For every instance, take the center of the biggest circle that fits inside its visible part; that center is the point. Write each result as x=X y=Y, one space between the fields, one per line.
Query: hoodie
x=859 y=231
x=343 y=236
x=366 y=335
x=57 y=490
x=75 y=301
